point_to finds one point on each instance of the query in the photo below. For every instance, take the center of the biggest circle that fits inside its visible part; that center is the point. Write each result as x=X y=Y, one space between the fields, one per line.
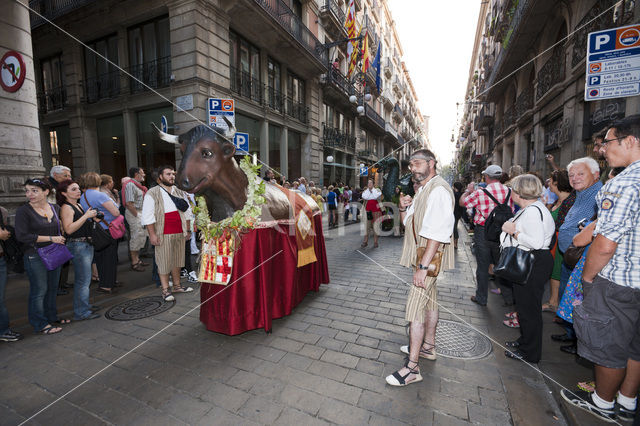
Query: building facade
x=275 y=58
x=525 y=92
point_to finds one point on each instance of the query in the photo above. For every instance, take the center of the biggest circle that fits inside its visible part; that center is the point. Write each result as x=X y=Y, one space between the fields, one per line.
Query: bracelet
x=50 y=239
x=402 y=210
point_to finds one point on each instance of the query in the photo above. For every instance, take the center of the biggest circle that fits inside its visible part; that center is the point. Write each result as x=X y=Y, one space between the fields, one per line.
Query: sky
x=437 y=40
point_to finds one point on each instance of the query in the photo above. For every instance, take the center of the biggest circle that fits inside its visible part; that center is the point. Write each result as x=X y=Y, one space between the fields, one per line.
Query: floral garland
x=242 y=220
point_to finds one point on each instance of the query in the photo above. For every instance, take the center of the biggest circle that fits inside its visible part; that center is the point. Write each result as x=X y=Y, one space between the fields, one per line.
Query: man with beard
x=428 y=220
x=167 y=217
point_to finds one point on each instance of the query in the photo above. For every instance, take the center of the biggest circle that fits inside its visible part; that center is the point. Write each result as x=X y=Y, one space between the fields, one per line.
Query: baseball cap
x=493 y=171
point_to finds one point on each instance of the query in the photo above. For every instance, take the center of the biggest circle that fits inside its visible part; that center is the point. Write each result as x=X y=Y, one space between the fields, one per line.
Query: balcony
x=372 y=120
x=246 y=85
x=275 y=99
x=336 y=138
x=296 y=110
x=524 y=103
x=105 y=86
x=388 y=98
x=154 y=74
x=52 y=9
x=390 y=130
x=388 y=67
x=337 y=88
x=53 y=99
x=598 y=18
x=551 y=73
x=398 y=114
x=289 y=22
x=333 y=16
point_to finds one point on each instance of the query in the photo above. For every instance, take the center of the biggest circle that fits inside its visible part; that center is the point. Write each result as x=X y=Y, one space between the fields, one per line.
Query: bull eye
x=207 y=153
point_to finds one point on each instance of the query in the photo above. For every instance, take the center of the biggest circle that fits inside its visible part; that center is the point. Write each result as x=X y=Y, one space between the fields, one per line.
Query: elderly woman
x=106 y=259
x=531 y=229
x=106 y=187
x=38 y=225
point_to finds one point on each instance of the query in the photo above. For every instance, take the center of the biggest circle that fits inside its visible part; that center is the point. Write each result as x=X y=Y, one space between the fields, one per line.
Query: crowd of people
x=66 y=223
x=580 y=230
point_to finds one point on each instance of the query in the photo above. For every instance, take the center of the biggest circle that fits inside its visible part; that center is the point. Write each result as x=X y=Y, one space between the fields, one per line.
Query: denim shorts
x=607 y=323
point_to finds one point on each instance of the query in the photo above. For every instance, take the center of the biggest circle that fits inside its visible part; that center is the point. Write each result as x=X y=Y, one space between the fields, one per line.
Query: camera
x=99 y=215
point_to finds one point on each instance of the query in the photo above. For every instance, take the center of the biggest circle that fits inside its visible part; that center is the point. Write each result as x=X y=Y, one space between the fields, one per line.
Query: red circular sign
x=12 y=71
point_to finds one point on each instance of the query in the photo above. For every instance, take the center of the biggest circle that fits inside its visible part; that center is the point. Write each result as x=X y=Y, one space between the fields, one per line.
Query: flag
x=366 y=57
x=350 y=25
x=354 y=55
x=376 y=66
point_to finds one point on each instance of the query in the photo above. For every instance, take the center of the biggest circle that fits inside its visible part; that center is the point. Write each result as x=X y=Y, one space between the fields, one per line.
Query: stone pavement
x=326 y=362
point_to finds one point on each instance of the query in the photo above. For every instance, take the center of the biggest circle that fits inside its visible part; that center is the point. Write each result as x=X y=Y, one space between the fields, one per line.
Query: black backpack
x=11 y=248
x=498 y=216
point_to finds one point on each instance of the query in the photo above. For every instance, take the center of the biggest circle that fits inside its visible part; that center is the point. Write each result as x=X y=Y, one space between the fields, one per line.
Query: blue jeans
x=4 y=315
x=43 y=289
x=82 y=257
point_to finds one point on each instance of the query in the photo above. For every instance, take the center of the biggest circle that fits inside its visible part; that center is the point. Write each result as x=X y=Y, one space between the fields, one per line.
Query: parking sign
x=241 y=141
x=219 y=108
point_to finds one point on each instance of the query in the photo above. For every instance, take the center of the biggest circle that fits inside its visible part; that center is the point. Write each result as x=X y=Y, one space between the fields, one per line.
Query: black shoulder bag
x=180 y=203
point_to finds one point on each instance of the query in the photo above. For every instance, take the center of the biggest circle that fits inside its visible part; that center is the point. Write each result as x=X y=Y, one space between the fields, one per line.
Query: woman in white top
x=531 y=229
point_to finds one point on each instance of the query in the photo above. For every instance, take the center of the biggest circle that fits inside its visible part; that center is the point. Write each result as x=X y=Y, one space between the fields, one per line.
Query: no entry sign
x=12 y=71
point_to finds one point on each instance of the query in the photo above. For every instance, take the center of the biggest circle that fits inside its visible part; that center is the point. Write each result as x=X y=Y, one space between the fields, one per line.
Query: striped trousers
x=170 y=254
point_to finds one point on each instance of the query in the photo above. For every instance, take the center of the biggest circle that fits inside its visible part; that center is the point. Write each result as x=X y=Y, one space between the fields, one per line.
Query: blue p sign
x=241 y=141
x=594 y=80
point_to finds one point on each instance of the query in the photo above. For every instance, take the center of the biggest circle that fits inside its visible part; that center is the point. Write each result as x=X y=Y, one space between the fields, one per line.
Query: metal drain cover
x=458 y=340
x=139 y=308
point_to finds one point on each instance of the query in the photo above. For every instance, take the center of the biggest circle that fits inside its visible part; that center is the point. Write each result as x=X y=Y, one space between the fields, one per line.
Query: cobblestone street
x=324 y=363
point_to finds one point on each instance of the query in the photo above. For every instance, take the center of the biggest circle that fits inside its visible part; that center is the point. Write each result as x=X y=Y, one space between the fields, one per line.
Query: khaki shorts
x=170 y=254
x=421 y=300
x=137 y=232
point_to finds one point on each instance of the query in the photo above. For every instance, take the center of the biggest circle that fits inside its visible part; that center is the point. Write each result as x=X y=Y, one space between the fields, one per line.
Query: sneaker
x=183 y=273
x=583 y=400
x=625 y=414
x=10 y=336
x=192 y=278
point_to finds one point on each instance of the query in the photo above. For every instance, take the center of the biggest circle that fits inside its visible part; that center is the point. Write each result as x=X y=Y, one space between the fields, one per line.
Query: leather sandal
x=137 y=267
x=429 y=353
x=397 y=379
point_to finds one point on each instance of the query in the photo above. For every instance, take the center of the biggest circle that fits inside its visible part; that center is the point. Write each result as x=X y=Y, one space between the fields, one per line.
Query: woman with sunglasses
x=38 y=225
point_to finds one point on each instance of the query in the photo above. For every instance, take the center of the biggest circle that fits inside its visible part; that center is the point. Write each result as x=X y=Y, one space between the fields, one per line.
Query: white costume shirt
x=149 y=207
x=372 y=194
x=438 y=220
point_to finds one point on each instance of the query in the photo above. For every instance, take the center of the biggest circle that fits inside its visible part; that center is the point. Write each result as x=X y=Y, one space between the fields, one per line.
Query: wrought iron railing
x=335 y=78
x=154 y=74
x=497 y=128
x=551 y=73
x=594 y=20
x=53 y=99
x=374 y=116
x=337 y=138
x=296 y=110
x=105 y=86
x=52 y=9
x=388 y=127
x=509 y=117
x=244 y=84
x=524 y=102
x=334 y=8
x=275 y=99
x=282 y=13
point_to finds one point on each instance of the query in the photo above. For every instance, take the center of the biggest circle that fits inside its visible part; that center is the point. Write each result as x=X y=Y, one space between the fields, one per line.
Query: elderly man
x=607 y=321
x=133 y=192
x=429 y=220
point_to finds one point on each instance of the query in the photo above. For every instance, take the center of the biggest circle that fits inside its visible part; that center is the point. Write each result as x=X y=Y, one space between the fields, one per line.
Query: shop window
x=244 y=67
x=111 y=152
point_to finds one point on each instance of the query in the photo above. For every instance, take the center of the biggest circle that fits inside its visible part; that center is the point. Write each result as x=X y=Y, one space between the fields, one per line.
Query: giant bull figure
x=209 y=169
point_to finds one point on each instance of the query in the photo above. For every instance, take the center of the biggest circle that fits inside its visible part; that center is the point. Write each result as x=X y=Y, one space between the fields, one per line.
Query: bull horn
x=232 y=128
x=166 y=136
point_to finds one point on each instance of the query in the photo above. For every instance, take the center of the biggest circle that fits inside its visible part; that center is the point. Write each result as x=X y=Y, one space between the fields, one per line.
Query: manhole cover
x=139 y=308
x=457 y=340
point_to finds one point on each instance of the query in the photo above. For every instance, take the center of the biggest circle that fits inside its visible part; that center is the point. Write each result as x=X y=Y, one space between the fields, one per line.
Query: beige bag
x=434 y=266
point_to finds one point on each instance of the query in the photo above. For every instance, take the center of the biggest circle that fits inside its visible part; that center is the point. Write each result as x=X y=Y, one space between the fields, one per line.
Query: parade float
x=262 y=245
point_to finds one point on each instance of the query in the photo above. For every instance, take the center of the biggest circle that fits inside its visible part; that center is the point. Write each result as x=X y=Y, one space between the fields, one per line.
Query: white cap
x=493 y=171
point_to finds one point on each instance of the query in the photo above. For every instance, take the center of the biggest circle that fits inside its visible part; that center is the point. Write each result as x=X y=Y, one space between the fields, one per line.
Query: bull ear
x=166 y=136
x=228 y=150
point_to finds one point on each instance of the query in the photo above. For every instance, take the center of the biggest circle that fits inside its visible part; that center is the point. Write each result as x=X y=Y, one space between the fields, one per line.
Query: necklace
x=42 y=211
x=242 y=220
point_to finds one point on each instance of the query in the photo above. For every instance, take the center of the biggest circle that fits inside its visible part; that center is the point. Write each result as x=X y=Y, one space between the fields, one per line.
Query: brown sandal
x=137 y=267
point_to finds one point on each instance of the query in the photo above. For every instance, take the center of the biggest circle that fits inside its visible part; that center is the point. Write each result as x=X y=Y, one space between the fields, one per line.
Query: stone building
x=525 y=92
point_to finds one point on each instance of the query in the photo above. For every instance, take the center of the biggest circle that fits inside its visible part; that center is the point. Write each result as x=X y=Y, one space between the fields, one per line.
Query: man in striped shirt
x=606 y=323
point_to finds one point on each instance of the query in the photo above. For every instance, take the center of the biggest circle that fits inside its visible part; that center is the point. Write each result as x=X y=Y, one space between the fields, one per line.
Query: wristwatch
x=421 y=266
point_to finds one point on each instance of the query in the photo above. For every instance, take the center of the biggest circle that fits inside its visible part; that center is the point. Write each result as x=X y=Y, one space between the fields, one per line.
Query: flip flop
x=63 y=321
x=511 y=323
x=49 y=329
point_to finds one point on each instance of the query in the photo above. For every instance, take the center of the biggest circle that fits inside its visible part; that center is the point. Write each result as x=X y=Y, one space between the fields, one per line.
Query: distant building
x=517 y=109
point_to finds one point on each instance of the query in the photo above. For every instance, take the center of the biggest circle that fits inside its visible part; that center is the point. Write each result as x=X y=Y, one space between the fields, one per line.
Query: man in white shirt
x=428 y=220
x=167 y=216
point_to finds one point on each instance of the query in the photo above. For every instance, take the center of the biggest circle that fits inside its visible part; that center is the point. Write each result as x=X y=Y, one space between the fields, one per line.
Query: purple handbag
x=54 y=255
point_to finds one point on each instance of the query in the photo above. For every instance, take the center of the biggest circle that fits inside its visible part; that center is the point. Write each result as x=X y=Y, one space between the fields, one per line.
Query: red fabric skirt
x=258 y=294
x=172 y=223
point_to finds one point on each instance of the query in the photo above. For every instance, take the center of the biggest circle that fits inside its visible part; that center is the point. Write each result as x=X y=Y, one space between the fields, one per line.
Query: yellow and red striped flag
x=350 y=25
x=366 y=56
x=354 y=55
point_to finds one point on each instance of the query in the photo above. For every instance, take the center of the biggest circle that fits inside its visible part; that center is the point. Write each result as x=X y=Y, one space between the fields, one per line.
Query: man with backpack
x=493 y=206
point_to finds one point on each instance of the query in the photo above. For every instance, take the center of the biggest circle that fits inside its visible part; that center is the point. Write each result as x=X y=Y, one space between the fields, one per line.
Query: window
x=102 y=78
x=150 y=54
x=296 y=105
x=60 y=146
x=54 y=95
x=274 y=76
x=244 y=61
x=153 y=152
